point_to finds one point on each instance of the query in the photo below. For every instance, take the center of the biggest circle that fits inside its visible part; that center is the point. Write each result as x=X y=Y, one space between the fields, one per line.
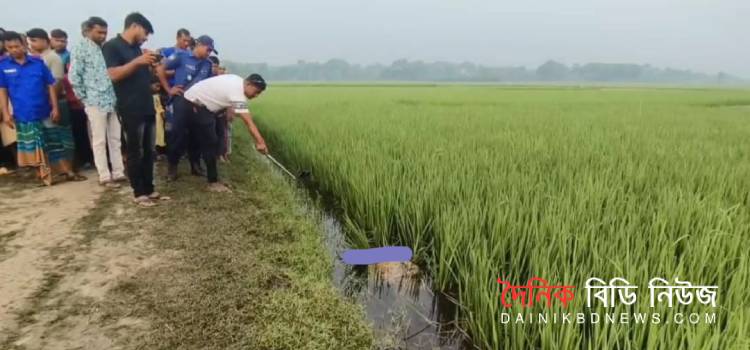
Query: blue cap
x=206 y=40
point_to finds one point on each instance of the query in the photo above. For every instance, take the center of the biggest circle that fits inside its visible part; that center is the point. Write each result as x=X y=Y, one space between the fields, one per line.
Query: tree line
x=550 y=71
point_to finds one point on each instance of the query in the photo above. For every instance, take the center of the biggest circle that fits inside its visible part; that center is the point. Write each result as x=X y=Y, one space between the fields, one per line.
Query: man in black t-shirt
x=129 y=68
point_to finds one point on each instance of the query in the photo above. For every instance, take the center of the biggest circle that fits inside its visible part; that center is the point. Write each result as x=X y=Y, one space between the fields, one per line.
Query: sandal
x=121 y=179
x=75 y=177
x=156 y=196
x=144 y=201
x=109 y=184
x=219 y=187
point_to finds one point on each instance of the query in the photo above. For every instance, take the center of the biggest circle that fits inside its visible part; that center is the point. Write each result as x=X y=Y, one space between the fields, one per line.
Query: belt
x=197 y=104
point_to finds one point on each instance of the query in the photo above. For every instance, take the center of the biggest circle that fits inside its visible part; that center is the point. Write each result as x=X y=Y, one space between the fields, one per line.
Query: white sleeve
x=239 y=103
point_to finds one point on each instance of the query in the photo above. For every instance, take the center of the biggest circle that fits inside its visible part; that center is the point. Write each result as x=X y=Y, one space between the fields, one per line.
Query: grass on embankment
x=252 y=270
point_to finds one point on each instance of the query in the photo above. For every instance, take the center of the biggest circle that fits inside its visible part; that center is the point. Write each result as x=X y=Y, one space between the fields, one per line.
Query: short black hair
x=257 y=81
x=182 y=32
x=95 y=21
x=37 y=33
x=58 y=34
x=12 y=36
x=214 y=60
x=139 y=19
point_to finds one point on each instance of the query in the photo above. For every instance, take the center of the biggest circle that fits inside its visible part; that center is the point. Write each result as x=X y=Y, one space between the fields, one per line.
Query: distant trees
x=552 y=71
x=405 y=70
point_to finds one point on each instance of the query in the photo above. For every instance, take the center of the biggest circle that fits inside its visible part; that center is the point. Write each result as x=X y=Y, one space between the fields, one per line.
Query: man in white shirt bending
x=210 y=98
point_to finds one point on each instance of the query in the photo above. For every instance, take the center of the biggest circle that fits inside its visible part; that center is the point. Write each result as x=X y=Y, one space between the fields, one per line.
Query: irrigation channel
x=398 y=298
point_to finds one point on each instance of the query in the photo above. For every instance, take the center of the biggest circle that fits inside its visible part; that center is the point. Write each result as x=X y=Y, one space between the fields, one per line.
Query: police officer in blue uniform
x=184 y=39
x=190 y=67
x=184 y=43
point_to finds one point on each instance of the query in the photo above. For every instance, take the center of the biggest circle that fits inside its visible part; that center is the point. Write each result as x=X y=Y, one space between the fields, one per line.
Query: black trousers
x=80 y=127
x=198 y=122
x=193 y=148
x=184 y=139
x=221 y=133
x=140 y=137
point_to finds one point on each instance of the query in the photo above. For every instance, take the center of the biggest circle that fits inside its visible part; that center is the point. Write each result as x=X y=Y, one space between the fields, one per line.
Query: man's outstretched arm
x=247 y=118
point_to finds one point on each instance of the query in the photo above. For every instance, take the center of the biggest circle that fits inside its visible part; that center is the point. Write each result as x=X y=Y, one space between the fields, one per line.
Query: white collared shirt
x=220 y=92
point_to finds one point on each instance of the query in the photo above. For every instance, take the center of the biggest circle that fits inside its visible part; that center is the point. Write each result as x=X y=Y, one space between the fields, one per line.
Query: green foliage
x=564 y=184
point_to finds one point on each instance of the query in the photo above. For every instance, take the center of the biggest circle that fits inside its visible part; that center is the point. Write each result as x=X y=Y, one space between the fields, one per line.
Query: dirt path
x=82 y=267
x=60 y=253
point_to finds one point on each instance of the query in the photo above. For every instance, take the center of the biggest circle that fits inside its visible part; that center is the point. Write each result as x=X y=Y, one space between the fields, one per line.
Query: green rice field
x=561 y=183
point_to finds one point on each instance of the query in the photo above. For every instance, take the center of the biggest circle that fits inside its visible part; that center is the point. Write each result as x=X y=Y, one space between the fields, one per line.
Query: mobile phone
x=158 y=56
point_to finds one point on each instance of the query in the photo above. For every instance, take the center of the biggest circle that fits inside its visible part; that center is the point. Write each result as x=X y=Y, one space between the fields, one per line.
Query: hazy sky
x=704 y=35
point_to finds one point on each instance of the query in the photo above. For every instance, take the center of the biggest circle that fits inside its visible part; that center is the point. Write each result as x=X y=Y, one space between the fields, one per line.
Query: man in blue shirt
x=182 y=45
x=190 y=68
x=28 y=84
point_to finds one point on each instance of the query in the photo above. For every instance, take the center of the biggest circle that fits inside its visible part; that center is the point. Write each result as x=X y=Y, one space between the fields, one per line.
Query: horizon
x=528 y=66
x=695 y=35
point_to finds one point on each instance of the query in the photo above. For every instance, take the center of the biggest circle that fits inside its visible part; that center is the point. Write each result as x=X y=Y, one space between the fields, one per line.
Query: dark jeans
x=221 y=133
x=199 y=122
x=178 y=141
x=193 y=148
x=140 y=133
x=80 y=128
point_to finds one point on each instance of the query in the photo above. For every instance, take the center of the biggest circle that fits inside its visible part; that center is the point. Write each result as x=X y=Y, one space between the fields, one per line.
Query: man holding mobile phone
x=129 y=68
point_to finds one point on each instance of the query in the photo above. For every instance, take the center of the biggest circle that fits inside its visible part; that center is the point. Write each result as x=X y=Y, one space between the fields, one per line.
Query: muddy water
x=398 y=300
x=398 y=297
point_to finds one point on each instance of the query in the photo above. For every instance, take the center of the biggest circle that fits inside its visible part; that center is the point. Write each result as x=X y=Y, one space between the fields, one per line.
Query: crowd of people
x=119 y=106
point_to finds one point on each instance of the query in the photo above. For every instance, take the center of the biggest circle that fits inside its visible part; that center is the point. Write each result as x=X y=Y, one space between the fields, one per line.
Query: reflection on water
x=398 y=300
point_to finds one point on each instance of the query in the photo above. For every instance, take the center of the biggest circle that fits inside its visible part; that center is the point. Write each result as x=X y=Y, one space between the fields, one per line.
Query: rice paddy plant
x=562 y=184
